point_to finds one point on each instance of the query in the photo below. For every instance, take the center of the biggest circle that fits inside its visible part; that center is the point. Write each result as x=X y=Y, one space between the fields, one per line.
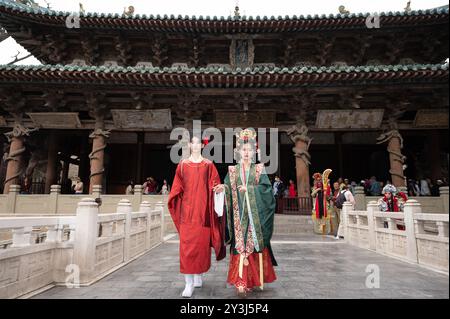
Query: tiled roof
x=263 y=77
x=230 y=24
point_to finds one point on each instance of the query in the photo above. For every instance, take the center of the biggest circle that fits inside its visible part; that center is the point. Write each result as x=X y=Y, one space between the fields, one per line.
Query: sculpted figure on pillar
x=396 y=158
x=14 y=160
x=299 y=135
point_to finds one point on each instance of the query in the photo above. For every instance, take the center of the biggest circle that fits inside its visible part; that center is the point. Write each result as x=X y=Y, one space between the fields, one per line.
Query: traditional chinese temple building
x=361 y=101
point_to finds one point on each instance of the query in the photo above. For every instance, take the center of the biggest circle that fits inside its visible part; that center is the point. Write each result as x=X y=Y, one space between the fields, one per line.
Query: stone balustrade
x=430 y=204
x=77 y=249
x=413 y=241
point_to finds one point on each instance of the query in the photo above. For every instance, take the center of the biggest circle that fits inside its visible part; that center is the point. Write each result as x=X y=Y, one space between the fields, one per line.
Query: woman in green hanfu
x=250 y=212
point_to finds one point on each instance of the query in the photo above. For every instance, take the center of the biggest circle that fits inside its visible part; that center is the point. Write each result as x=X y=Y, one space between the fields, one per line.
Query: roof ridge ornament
x=408 y=7
x=342 y=10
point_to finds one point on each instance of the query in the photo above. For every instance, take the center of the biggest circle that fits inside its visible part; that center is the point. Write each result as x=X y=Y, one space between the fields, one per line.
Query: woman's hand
x=219 y=188
x=242 y=188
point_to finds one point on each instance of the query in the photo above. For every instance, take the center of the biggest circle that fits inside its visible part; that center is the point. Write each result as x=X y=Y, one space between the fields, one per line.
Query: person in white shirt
x=347 y=196
x=424 y=188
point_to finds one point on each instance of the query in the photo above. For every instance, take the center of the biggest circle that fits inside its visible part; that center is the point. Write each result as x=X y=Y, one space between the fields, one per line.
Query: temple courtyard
x=309 y=267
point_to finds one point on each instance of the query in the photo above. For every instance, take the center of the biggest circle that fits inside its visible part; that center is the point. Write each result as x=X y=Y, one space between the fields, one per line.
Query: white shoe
x=198 y=281
x=189 y=288
x=337 y=237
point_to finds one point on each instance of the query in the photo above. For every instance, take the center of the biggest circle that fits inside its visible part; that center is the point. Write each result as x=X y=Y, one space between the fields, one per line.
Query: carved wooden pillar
x=50 y=174
x=302 y=161
x=97 y=110
x=396 y=158
x=14 y=160
x=97 y=155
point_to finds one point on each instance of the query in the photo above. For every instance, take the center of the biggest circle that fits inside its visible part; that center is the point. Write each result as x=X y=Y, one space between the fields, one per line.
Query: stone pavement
x=310 y=266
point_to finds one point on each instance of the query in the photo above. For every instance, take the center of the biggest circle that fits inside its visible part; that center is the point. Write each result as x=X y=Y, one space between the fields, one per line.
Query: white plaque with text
x=349 y=119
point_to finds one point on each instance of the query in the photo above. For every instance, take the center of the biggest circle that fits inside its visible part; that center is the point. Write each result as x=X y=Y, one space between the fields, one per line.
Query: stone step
x=293 y=224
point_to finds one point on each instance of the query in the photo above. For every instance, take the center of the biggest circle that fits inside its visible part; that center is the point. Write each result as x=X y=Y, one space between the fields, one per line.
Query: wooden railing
x=294 y=205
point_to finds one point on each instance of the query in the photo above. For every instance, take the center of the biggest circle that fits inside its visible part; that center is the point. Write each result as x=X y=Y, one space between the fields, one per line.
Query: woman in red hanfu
x=191 y=205
x=250 y=215
x=321 y=194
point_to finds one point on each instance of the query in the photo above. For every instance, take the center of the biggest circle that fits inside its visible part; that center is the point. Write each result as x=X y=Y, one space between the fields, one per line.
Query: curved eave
x=216 y=78
x=10 y=12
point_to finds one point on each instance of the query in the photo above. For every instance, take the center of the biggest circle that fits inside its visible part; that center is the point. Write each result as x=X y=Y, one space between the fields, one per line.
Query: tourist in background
x=424 y=187
x=278 y=187
x=78 y=187
x=435 y=188
x=150 y=186
x=292 y=189
x=344 y=195
x=165 y=188
x=375 y=187
x=130 y=188
x=26 y=186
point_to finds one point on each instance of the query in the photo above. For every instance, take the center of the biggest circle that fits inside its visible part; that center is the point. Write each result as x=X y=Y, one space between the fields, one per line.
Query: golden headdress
x=246 y=136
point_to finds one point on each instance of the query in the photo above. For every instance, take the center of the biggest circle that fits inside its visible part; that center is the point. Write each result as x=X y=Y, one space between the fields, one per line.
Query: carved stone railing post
x=52 y=234
x=346 y=207
x=14 y=190
x=145 y=208
x=412 y=207
x=360 y=198
x=372 y=207
x=443 y=191
x=55 y=191
x=124 y=207
x=160 y=206
x=137 y=196
x=86 y=238
x=22 y=237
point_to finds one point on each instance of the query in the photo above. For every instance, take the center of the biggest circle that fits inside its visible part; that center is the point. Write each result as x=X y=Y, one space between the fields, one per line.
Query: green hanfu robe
x=256 y=210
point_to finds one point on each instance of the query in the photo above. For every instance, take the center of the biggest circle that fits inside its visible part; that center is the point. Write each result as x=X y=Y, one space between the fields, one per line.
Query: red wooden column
x=302 y=161
x=396 y=158
x=15 y=162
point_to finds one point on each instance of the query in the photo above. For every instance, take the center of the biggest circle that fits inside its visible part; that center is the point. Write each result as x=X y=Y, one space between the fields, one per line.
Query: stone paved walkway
x=309 y=267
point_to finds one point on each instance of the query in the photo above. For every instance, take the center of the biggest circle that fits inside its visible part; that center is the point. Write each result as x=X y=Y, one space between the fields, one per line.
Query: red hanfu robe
x=191 y=205
x=322 y=201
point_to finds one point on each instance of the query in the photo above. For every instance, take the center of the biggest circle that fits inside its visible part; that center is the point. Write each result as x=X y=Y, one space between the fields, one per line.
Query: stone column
x=302 y=161
x=124 y=207
x=97 y=155
x=86 y=238
x=360 y=198
x=15 y=156
x=50 y=174
x=396 y=158
x=412 y=207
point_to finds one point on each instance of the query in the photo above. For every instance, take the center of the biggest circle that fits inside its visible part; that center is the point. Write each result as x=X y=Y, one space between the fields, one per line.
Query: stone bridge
x=134 y=254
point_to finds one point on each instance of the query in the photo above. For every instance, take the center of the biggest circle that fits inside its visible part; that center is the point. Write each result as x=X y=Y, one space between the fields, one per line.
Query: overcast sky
x=9 y=48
